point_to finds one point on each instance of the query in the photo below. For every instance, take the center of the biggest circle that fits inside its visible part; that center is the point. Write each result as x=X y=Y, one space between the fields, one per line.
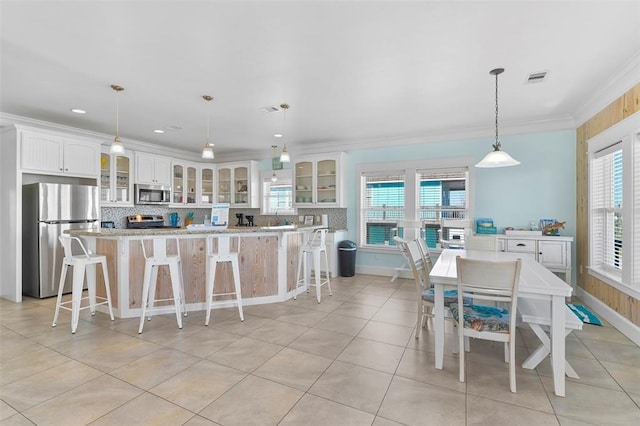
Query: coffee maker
x=250 y=220
x=240 y=218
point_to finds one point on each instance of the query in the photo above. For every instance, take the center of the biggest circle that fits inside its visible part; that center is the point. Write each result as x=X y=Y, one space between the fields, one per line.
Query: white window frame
x=412 y=188
x=627 y=134
x=285 y=175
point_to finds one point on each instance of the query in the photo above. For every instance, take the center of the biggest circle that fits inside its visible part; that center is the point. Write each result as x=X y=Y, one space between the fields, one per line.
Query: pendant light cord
x=117 y=115
x=497 y=143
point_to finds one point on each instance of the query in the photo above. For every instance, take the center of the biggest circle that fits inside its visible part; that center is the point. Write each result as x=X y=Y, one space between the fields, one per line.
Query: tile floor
x=350 y=360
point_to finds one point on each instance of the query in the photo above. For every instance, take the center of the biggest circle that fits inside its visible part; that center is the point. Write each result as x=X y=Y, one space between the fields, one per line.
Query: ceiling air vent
x=175 y=127
x=537 y=77
x=270 y=108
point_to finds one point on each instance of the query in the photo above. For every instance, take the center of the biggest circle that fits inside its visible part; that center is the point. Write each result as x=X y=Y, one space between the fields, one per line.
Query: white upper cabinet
x=318 y=181
x=239 y=184
x=58 y=154
x=184 y=184
x=206 y=187
x=116 y=183
x=153 y=170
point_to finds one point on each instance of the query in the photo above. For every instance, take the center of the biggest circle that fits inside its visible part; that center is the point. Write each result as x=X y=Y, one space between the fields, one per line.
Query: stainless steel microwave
x=152 y=194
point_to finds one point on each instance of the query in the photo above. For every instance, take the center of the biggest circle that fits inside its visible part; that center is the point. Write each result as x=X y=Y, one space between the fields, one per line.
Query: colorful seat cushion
x=483 y=318
x=450 y=296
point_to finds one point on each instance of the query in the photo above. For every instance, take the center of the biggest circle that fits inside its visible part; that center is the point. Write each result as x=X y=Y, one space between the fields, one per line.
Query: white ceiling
x=353 y=72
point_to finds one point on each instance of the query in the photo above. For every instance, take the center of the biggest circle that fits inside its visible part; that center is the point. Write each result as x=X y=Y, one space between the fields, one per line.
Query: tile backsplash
x=117 y=215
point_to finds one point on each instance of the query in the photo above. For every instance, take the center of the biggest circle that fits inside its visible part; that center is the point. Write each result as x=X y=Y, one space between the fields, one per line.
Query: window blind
x=606 y=209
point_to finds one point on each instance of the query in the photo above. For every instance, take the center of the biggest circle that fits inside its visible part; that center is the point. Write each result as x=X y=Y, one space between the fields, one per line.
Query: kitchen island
x=268 y=259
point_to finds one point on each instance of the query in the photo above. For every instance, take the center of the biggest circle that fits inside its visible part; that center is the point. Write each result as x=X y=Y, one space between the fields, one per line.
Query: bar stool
x=150 y=281
x=223 y=254
x=81 y=263
x=315 y=246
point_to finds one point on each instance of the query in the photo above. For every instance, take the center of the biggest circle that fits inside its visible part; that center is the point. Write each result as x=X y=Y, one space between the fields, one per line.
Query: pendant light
x=274 y=178
x=284 y=156
x=497 y=158
x=116 y=146
x=207 y=150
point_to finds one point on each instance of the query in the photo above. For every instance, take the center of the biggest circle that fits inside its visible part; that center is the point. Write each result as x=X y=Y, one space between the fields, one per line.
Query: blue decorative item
x=584 y=314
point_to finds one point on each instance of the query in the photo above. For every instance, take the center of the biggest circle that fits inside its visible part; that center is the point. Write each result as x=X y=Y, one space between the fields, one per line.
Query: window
x=443 y=205
x=614 y=206
x=382 y=206
x=277 y=197
x=606 y=209
x=433 y=193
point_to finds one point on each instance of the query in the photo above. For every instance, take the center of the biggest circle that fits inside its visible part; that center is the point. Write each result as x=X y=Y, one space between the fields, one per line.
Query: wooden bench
x=537 y=313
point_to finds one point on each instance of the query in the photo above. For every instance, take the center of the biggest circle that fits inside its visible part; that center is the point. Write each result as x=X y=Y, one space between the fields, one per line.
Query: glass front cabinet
x=184 y=184
x=238 y=184
x=207 y=193
x=318 y=181
x=116 y=183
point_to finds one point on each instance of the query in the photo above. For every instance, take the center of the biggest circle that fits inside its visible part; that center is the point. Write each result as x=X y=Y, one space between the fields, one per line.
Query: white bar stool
x=314 y=246
x=223 y=254
x=81 y=263
x=150 y=281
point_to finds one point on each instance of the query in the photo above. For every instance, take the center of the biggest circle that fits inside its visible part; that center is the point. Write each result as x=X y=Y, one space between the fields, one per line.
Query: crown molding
x=447 y=135
x=7 y=120
x=316 y=147
x=609 y=92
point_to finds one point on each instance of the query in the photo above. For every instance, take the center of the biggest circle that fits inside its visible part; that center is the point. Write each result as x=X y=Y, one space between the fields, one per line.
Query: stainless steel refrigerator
x=49 y=209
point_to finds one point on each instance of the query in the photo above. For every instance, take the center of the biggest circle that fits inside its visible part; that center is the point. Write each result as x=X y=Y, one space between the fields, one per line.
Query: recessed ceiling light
x=277 y=135
x=158 y=131
x=78 y=111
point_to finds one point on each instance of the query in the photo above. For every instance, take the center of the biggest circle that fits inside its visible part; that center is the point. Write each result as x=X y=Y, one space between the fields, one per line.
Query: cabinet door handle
x=60 y=168
x=520 y=245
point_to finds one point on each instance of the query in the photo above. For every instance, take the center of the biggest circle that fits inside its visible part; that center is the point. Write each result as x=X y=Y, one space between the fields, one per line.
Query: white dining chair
x=421 y=264
x=411 y=229
x=480 y=242
x=488 y=281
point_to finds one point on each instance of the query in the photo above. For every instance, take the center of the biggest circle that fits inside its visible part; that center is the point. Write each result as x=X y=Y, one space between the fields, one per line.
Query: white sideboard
x=554 y=253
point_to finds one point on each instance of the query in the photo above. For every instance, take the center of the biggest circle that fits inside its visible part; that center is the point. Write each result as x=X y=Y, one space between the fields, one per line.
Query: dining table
x=536 y=282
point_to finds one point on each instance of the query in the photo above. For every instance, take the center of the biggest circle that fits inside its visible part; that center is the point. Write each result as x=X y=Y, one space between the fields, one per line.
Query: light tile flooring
x=350 y=360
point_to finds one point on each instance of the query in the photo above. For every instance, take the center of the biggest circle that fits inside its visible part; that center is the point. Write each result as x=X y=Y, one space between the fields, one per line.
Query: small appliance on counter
x=250 y=220
x=107 y=224
x=139 y=221
x=240 y=218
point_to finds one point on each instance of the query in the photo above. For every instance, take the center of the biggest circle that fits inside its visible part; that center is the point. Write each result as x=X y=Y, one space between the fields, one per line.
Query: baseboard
x=622 y=324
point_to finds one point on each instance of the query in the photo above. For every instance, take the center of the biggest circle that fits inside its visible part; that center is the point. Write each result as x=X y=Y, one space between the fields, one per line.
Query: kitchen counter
x=132 y=232
x=268 y=263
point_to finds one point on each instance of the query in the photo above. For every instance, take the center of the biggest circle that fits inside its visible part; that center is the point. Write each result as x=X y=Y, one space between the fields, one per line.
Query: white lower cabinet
x=554 y=253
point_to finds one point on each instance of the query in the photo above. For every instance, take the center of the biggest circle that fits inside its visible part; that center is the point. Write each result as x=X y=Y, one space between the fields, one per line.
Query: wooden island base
x=268 y=265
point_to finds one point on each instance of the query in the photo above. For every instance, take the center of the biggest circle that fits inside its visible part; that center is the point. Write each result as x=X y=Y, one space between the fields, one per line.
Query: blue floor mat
x=584 y=314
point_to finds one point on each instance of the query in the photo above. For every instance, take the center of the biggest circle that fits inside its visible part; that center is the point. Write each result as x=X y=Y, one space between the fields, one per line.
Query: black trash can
x=347 y=258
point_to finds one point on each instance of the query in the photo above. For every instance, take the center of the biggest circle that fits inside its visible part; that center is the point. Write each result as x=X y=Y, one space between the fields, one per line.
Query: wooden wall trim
x=623 y=107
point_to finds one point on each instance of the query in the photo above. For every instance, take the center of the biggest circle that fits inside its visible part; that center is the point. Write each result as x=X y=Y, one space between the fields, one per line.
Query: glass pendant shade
x=274 y=178
x=207 y=152
x=497 y=158
x=284 y=156
x=116 y=147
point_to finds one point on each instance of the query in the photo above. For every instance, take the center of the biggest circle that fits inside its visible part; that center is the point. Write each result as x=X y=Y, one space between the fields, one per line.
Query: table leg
x=438 y=314
x=558 y=327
